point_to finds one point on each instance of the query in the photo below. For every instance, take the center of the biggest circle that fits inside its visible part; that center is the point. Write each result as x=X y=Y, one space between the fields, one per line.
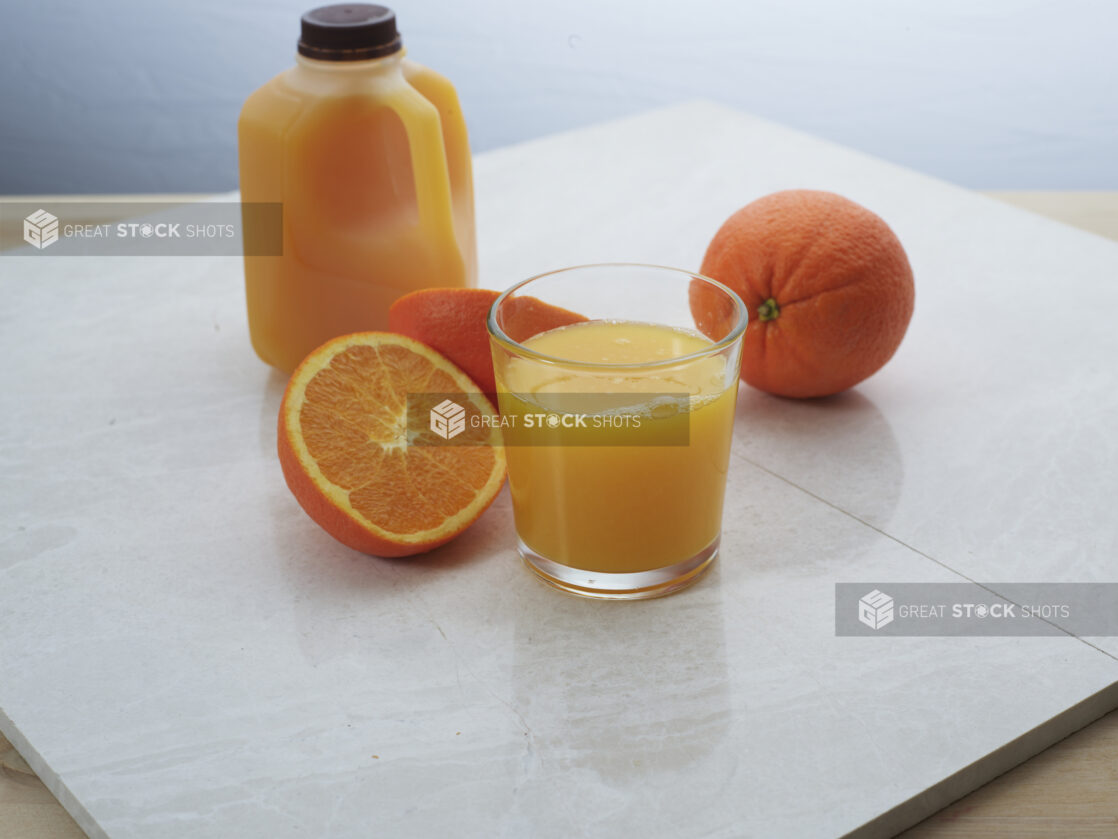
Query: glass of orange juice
x=617 y=425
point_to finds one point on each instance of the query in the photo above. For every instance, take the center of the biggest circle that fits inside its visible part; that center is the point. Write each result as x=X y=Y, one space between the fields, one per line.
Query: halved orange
x=346 y=455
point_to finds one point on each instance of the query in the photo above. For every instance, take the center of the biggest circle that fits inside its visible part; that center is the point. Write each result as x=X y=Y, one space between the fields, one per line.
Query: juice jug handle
x=428 y=158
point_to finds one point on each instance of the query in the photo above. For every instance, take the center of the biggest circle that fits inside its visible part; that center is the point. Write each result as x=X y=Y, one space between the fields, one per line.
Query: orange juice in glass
x=617 y=430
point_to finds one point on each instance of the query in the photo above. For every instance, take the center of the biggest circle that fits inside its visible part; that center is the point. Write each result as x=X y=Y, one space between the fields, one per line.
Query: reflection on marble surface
x=668 y=660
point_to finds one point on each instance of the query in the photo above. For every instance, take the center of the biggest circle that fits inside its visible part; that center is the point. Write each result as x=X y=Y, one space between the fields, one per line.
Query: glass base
x=635 y=585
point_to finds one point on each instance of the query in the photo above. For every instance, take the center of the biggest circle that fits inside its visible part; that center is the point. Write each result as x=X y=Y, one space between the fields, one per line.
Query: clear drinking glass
x=617 y=428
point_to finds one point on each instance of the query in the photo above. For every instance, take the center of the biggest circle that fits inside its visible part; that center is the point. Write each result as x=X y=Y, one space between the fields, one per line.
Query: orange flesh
x=350 y=461
x=353 y=423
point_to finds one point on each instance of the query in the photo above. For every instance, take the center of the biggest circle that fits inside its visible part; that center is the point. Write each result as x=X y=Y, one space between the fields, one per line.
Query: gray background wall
x=131 y=96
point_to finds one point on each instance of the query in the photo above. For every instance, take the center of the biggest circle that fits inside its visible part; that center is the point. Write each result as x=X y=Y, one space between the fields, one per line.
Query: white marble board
x=184 y=654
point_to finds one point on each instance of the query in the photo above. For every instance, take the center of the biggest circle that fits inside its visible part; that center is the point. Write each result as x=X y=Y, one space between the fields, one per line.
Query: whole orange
x=828 y=288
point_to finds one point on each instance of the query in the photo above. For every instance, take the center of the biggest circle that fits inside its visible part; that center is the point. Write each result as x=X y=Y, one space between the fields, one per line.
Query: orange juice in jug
x=367 y=152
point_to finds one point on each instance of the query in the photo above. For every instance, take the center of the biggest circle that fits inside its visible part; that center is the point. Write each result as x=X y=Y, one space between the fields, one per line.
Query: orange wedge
x=347 y=455
x=452 y=321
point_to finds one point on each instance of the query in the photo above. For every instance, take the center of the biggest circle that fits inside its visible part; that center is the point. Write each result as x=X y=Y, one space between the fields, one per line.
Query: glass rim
x=740 y=311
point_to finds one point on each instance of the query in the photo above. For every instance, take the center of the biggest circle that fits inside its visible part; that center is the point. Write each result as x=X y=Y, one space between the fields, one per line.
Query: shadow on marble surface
x=274 y=385
x=26 y=542
x=839 y=448
x=344 y=604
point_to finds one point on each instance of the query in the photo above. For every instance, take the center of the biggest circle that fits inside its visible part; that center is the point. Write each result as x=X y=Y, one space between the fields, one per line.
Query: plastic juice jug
x=367 y=152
